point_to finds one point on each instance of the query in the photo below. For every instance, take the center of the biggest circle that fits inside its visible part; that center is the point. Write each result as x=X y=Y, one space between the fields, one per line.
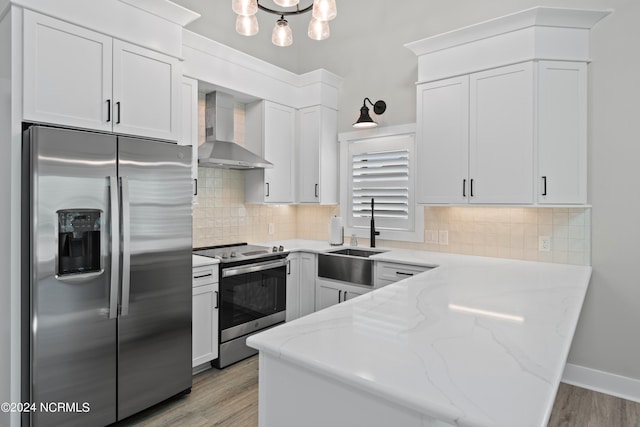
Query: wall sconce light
x=365 y=120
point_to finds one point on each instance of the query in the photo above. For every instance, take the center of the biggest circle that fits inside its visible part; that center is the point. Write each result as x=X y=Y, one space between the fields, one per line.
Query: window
x=379 y=164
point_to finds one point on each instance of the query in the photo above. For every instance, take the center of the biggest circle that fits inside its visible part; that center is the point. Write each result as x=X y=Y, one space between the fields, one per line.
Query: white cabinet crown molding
x=234 y=71
x=536 y=16
x=539 y=33
x=167 y=10
x=116 y=19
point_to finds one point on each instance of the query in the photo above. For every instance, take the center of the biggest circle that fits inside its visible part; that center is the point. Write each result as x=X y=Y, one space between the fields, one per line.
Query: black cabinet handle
x=544 y=185
x=402 y=273
x=108 y=110
x=288 y=267
x=339 y=297
x=464 y=187
x=217 y=300
x=195 y=187
x=267 y=195
x=316 y=191
x=471 y=185
x=204 y=275
x=118 y=106
x=344 y=297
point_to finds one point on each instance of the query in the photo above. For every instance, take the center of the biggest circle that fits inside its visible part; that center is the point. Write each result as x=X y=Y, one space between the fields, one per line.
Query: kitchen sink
x=347 y=265
x=360 y=253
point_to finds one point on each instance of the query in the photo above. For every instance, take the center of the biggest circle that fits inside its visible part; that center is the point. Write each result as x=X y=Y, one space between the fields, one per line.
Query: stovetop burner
x=239 y=252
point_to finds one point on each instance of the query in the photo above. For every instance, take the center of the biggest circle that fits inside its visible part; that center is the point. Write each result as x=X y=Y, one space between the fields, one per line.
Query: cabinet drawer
x=205 y=275
x=389 y=272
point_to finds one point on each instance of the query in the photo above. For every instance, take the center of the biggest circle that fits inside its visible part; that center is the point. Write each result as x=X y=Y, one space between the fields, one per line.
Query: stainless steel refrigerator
x=106 y=275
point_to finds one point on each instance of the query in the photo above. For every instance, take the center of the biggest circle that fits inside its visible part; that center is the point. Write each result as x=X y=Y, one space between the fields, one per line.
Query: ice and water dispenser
x=79 y=233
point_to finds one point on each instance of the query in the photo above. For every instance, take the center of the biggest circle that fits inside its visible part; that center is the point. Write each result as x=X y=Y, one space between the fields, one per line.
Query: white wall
x=5 y=215
x=366 y=48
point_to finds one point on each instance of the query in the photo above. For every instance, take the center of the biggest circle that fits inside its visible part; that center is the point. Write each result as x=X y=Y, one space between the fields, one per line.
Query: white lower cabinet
x=386 y=273
x=205 y=315
x=293 y=287
x=331 y=292
x=301 y=285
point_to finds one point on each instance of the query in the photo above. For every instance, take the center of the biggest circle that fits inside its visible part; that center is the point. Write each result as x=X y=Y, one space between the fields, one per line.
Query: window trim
x=347 y=138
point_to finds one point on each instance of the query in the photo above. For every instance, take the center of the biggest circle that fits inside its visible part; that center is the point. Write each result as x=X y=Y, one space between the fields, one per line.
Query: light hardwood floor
x=229 y=398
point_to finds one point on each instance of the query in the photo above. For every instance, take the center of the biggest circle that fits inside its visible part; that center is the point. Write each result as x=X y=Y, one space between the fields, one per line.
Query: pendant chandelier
x=323 y=11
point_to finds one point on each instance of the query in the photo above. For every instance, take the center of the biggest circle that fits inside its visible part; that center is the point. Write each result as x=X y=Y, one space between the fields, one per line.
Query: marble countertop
x=475 y=342
x=199 y=261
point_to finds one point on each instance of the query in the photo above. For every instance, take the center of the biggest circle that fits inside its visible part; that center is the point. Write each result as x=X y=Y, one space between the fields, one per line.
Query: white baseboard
x=603 y=382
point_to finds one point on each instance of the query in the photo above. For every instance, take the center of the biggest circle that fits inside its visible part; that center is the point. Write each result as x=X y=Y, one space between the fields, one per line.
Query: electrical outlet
x=431 y=236
x=544 y=243
x=443 y=237
x=272 y=228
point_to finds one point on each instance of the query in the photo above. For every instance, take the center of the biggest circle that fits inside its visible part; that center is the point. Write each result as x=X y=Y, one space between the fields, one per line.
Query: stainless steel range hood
x=219 y=150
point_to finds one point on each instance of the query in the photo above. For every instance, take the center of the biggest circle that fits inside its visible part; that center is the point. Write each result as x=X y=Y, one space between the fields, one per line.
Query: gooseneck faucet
x=374 y=233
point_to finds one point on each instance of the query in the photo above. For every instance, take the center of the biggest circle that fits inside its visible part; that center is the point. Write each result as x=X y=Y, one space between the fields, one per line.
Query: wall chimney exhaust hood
x=219 y=150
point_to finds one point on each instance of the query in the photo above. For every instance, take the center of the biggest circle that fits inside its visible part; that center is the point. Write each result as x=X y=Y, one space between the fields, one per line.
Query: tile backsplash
x=222 y=217
x=504 y=232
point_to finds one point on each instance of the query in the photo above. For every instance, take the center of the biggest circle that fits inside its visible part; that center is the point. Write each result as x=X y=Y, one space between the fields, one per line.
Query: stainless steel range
x=253 y=285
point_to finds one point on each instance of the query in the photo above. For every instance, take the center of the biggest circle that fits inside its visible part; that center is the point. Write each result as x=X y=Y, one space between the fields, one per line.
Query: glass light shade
x=282 y=35
x=245 y=7
x=318 y=30
x=247 y=25
x=286 y=3
x=324 y=10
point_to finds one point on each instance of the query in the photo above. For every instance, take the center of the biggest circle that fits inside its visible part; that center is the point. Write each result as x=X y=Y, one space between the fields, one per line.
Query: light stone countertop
x=200 y=261
x=475 y=342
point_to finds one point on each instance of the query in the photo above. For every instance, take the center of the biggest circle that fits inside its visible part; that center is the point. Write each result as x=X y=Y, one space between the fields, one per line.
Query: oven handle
x=235 y=271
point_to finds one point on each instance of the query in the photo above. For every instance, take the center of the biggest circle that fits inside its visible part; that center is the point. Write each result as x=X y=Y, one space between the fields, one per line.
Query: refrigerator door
x=71 y=312
x=154 y=327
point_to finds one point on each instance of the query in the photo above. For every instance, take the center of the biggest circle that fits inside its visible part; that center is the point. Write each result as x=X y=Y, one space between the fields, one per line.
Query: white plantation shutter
x=381 y=168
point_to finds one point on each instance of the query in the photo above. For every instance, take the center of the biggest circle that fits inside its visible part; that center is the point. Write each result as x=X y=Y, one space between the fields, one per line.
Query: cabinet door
x=308 y=266
x=327 y=294
x=279 y=137
x=189 y=127
x=348 y=294
x=67 y=74
x=443 y=141
x=317 y=155
x=146 y=92
x=501 y=135
x=293 y=287
x=204 y=324
x=562 y=132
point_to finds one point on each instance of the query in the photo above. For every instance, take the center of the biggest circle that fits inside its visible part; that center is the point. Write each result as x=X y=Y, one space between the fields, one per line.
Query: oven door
x=252 y=297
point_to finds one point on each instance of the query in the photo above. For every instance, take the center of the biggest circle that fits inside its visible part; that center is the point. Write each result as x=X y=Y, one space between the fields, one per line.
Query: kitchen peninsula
x=474 y=342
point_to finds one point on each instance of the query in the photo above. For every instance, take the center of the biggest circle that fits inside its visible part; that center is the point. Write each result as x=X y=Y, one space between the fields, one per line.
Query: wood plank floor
x=229 y=398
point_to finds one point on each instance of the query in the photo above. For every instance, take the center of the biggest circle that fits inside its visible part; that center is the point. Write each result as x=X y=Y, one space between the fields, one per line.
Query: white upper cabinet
x=317 y=146
x=443 y=132
x=511 y=94
x=189 y=127
x=476 y=138
x=81 y=78
x=67 y=74
x=270 y=132
x=562 y=132
x=146 y=91
x=501 y=135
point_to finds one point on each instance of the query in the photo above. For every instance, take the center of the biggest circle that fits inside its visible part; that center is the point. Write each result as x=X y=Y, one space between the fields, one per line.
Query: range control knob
x=225 y=255
x=281 y=248
x=233 y=254
x=274 y=249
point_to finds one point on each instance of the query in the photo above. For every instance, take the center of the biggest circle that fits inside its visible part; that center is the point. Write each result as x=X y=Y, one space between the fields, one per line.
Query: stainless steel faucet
x=374 y=233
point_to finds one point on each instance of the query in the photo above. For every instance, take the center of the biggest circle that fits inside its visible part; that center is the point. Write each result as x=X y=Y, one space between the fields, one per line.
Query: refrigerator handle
x=115 y=247
x=126 y=246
